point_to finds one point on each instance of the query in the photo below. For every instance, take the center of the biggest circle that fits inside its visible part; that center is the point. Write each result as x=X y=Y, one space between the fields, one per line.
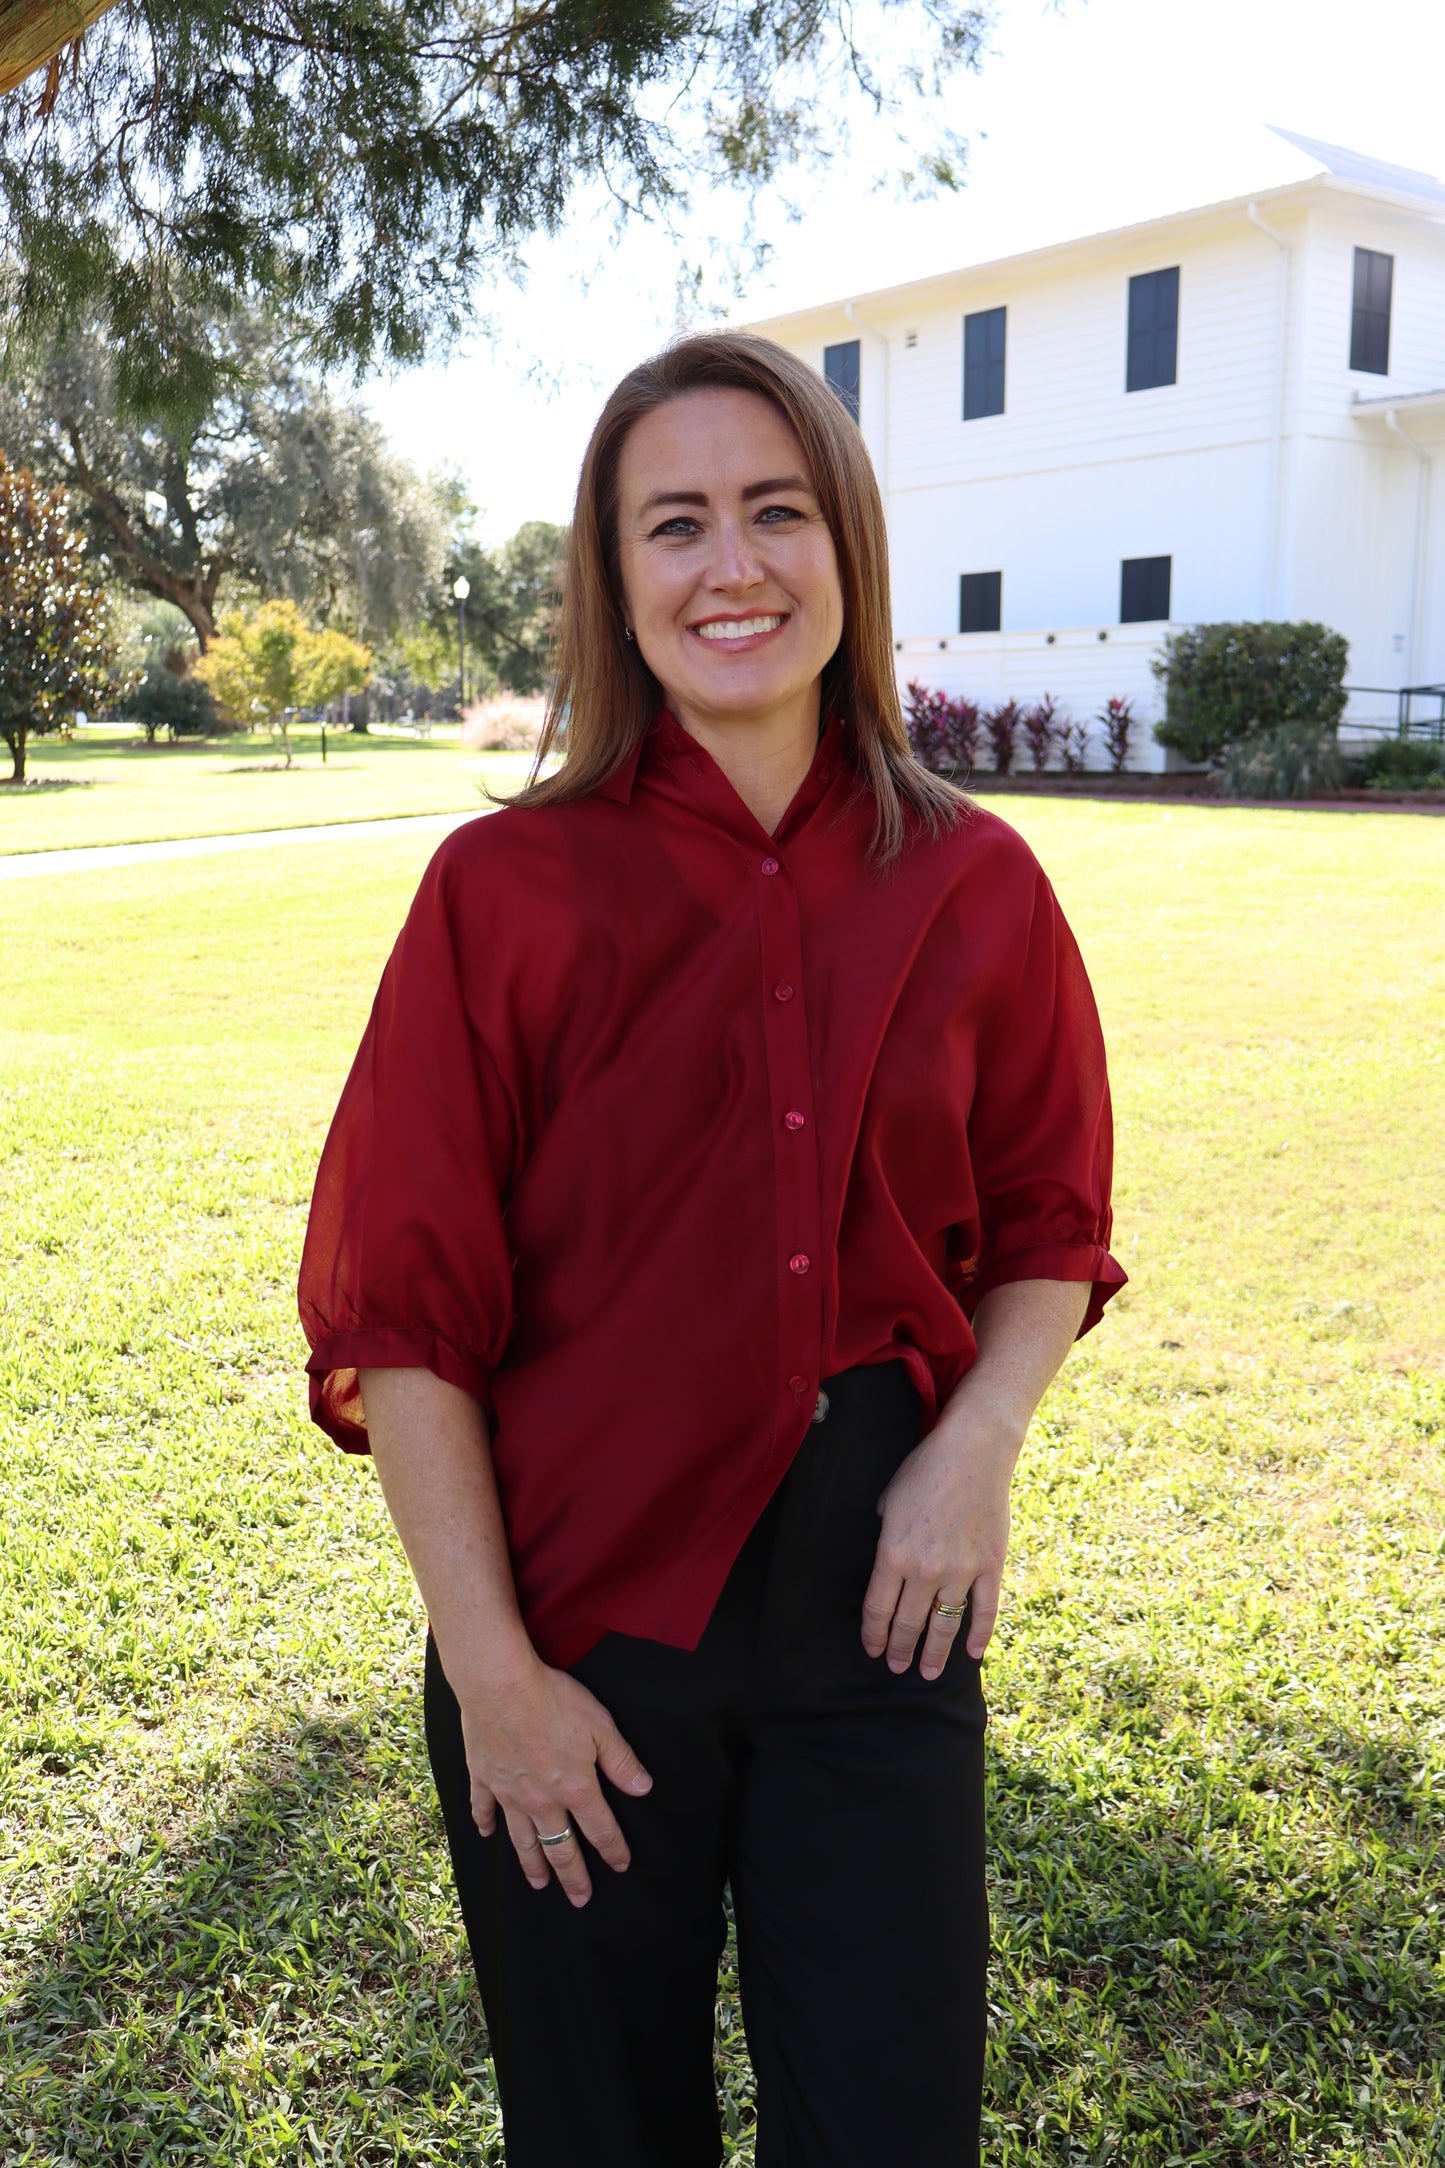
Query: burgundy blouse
x=659 y=1119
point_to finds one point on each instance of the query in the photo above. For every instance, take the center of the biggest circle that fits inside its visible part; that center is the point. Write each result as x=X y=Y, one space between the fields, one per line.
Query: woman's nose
x=735 y=563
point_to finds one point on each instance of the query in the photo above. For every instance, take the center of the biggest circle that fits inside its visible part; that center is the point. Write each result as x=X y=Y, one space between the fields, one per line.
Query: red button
x=799 y=1261
x=797 y=1385
x=770 y=865
x=794 y=1120
x=783 y=992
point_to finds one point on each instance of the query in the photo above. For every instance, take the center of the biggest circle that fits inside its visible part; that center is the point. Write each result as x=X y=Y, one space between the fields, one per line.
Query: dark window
x=1144 y=590
x=983 y=352
x=980 y=602
x=1370 y=323
x=840 y=367
x=1153 y=330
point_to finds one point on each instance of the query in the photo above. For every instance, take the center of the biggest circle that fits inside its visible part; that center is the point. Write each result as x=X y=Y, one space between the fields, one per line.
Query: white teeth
x=736 y=628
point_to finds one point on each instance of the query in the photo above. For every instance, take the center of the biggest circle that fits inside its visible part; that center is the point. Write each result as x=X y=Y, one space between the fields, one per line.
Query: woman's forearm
x=1024 y=1329
x=434 y=1462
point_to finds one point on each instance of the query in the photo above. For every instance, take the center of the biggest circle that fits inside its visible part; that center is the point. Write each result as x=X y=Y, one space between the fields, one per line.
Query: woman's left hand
x=944 y=1538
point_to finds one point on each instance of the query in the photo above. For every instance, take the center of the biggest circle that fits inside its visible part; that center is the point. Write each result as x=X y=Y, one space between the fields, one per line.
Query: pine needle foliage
x=363 y=165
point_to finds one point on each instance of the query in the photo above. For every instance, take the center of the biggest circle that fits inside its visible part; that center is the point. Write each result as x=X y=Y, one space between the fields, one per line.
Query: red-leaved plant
x=942 y=731
x=1000 y=725
x=1074 y=748
x=1117 y=717
x=1043 y=729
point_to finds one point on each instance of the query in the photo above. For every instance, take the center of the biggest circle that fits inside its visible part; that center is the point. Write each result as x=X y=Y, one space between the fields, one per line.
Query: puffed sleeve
x=1041 y=1130
x=406 y=1262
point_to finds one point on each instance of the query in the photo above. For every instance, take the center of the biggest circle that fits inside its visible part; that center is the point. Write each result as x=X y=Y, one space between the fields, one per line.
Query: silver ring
x=560 y=1838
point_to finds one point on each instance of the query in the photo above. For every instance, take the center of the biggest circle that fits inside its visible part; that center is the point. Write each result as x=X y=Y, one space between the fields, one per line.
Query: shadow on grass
x=1170 y=1984
x=36 y=786
x=294 y=1961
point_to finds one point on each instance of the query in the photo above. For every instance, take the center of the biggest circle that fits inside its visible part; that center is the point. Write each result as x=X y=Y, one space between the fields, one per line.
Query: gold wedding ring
x=951 y=1610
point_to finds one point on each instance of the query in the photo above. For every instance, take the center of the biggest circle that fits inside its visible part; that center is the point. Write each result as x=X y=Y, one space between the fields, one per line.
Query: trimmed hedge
x=1224 y=684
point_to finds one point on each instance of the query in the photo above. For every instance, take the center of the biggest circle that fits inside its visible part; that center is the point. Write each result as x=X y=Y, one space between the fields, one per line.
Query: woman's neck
x=765 y=758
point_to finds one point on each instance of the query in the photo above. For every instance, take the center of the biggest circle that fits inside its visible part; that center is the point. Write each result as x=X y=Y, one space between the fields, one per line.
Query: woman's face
x=729 y=575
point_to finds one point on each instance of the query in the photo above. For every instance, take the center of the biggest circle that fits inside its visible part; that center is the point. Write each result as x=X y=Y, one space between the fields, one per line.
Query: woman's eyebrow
x=699 y=496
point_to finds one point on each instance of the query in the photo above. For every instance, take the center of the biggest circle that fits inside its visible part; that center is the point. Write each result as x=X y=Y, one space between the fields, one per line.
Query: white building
x=1230 y=412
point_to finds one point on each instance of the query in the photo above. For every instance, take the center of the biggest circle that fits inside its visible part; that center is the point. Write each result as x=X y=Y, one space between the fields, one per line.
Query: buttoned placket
x=798 y=1186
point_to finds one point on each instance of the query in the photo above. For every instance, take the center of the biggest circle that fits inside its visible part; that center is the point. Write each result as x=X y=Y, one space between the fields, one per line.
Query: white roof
x=1348 y=165
x=1286 y=167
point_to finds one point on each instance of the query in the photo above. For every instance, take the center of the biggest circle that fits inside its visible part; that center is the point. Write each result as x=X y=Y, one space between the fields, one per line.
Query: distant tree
x=365 y=164
x=509 y=613
x=261 y=668
x=56 y=644
x=277 y=487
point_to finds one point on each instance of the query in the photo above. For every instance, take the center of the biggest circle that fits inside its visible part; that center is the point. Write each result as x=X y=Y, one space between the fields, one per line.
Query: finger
x=523 y=1832
x=598 y=1824
x=942 y=1633
x=880 y=1601
x=565 y=1860
x=620 y=1765
x=909 y=1621
x=484 y=1808
x=983 y=1603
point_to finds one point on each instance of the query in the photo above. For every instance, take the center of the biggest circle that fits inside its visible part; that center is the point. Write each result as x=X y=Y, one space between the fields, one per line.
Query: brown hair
x=603 y=695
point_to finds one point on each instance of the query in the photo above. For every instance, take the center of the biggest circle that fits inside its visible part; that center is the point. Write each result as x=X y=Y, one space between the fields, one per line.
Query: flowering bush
x=1000 y=725
x=1043 y=728
x=942 y=730
x=505 y=723
x=1117 y=717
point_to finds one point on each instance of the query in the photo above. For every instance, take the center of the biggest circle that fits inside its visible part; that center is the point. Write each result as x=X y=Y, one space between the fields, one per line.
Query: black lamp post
x=461 y=588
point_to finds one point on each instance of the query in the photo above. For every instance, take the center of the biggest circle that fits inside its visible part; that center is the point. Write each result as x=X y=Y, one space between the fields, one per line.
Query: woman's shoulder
x=506 y=849
x=979 y=846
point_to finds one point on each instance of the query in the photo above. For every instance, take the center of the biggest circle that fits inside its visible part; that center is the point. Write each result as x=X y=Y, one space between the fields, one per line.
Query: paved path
x=26 y=865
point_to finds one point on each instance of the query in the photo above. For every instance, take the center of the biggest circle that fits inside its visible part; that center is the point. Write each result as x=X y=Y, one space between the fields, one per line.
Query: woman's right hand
x=535 y=1742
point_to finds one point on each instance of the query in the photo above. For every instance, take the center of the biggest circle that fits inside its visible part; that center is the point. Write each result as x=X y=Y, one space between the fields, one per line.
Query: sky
x=1084 y=115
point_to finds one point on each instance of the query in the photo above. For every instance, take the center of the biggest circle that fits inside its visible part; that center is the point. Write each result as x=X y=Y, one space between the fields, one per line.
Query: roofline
x=1417 y=400
x=940 y=281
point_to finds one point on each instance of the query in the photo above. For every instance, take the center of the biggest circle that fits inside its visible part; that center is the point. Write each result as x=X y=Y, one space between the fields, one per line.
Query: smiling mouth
x=737 y=628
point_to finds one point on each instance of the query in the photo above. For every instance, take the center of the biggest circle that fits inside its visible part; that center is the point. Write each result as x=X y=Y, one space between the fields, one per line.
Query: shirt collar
x=665 y=736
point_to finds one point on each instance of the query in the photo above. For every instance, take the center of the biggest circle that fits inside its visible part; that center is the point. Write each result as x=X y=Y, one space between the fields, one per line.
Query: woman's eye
x=777 y=514
x=679 y=526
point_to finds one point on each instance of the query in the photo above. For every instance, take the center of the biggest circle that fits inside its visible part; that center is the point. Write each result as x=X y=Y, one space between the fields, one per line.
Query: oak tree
x=276 y=487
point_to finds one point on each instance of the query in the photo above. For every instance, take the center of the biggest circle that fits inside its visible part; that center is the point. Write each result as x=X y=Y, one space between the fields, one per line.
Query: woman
x=721 y=1180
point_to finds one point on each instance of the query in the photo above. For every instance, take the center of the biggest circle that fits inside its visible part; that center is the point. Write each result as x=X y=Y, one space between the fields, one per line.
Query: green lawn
x=107 y=786
x=1219 y=1692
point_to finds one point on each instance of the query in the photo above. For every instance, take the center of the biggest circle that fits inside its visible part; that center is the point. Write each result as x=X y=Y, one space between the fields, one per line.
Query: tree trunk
x=16 y=740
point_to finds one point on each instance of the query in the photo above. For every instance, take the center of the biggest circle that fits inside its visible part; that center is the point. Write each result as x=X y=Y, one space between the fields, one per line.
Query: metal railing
x=1405 y=712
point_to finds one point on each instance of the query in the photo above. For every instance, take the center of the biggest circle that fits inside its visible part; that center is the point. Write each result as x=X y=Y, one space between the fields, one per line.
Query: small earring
x=629 y=632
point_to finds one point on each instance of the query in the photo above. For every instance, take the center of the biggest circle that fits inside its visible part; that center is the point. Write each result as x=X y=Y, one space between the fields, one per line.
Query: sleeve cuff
x=337 y=1358
x=1054 y=1261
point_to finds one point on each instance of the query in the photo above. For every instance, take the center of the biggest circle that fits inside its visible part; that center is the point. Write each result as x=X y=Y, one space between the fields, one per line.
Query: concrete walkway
x=27 y=865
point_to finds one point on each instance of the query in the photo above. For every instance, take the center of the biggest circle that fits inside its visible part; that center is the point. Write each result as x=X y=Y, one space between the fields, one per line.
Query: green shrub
x=1294 y=760
x=162 y=701
x=1225 y=683
x=1403 y=764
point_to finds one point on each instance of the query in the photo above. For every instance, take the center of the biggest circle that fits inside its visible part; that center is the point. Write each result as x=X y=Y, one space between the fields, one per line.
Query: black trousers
x=842 y=1804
